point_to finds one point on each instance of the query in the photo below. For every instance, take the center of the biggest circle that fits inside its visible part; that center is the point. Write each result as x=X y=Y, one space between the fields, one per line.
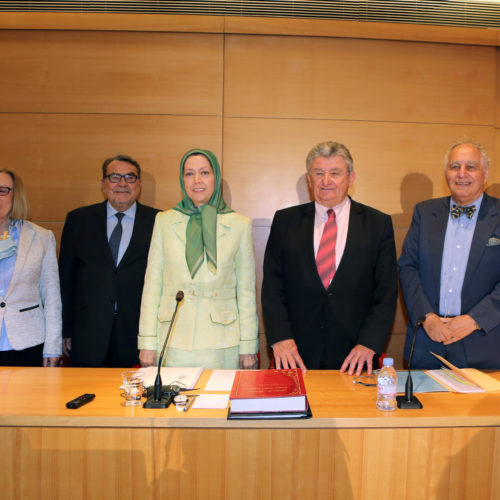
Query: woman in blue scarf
x=205 y=249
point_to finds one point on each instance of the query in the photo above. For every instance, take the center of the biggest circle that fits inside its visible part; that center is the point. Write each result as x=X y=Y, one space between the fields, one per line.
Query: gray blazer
x=31 y=307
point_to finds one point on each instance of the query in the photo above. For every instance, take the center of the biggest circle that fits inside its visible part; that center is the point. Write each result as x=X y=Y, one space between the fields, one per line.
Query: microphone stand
x=157 y=399
x=409 y=401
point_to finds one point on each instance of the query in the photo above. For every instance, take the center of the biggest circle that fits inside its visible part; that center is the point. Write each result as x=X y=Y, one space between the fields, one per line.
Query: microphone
x=157 y=399
x=409 y=401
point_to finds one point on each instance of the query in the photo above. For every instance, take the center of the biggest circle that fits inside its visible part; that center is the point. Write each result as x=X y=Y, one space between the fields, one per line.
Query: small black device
x=80 y=401
x=167 y=390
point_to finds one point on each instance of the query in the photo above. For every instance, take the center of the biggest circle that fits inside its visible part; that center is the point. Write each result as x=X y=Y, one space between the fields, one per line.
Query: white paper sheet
x=221 y=380
x=211 y=401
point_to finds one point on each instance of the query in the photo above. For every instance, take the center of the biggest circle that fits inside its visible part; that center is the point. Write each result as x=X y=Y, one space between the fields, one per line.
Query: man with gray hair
x=330 y=285
x=450 y=268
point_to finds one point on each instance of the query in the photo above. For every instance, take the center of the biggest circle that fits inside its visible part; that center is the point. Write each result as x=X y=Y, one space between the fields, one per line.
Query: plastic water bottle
x=387 y=386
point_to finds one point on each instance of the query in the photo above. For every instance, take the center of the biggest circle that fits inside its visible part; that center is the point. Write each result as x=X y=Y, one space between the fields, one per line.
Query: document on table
x=421 y=382
x=211 y=401
x=464 y=379
x=221 y=380
x=455 y=382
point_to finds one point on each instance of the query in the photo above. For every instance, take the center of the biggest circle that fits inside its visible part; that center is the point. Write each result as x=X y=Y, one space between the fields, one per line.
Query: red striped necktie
x=325 y=258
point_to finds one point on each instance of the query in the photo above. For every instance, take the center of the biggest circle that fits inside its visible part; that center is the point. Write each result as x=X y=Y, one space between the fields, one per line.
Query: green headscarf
x=201 y=231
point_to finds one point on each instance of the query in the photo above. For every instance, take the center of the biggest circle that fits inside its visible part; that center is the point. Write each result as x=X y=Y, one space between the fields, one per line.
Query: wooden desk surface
x=349 y=450
x=37 y=397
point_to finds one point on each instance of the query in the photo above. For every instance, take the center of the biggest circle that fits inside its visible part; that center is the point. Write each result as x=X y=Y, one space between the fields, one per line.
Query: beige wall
x=259 y=95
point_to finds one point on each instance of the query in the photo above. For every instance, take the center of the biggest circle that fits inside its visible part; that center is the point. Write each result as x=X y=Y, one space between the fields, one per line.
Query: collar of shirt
x=476 y=203
x=8 y=264
x=130 y=212
x=340 y=210
x=15 y=230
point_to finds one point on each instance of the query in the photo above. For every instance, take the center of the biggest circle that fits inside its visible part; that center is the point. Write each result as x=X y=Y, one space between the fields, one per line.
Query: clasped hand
x=448 y=330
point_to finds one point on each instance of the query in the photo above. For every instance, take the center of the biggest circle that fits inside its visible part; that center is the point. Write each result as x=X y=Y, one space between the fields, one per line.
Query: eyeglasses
x=115 y=178
x=5 y=190
x=367 y=380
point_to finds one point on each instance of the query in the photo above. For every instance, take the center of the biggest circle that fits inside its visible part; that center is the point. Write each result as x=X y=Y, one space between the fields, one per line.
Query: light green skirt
x=215 y=359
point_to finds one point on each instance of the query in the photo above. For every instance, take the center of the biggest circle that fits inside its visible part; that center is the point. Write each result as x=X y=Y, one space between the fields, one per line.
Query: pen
x=190 y=402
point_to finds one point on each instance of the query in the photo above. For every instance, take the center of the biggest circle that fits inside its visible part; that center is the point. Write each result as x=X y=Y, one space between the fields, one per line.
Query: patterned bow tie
x=457 y=211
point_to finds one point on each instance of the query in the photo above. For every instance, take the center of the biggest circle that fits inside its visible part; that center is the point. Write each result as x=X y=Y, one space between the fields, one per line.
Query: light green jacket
x=218 y=311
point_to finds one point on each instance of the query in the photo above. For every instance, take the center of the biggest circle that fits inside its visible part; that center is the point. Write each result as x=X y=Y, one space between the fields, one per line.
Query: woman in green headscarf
x=205 y=249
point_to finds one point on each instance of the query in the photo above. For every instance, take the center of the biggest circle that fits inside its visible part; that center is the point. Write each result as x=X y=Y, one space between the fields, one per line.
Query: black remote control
x=80 y=401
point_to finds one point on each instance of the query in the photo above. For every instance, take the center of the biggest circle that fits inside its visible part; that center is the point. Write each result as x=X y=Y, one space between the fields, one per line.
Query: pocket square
x=492 y=242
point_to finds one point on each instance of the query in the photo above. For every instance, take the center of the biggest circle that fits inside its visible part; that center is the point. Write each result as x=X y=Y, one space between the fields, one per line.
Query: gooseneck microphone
x=409 y=401
x=157 y=399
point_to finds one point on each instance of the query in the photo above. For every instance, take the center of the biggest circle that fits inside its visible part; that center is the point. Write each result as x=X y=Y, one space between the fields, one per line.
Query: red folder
x=268 y=391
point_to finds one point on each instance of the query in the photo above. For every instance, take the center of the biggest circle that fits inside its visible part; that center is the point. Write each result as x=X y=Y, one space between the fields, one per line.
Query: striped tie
x=325 y=259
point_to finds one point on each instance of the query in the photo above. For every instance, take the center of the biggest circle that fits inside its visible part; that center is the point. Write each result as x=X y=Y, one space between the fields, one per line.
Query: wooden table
x=349 y=450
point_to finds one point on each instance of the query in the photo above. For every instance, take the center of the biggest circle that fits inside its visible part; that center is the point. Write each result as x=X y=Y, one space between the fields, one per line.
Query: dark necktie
x=457 y=211
x=325 y=258
x=116 y=236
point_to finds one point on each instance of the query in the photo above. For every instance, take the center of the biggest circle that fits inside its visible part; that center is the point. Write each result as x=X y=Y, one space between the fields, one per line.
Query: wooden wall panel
x=110 y=72
x=359 y=80
x=265 y=161
x=308 y=27
x=103 y=21
x=59 y=156
x=494 y=179
x=497 y=88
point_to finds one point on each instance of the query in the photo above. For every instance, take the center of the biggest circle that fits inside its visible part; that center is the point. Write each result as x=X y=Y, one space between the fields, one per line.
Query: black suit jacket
x=359 y=305
x=91 y=284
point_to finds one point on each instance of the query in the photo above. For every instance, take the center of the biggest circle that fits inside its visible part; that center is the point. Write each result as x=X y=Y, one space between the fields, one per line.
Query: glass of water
x=133 y=387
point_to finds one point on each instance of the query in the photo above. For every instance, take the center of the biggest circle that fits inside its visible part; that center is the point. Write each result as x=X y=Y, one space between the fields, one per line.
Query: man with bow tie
x=450 y=268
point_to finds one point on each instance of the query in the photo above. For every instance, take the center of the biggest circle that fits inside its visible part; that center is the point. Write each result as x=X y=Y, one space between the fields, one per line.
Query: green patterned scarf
x=201 y=231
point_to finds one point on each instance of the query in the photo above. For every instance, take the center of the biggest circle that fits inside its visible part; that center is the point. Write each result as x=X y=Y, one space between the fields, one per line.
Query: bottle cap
x=388 y=362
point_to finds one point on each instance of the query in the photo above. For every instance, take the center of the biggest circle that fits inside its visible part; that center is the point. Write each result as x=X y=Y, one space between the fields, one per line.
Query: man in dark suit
x=450 y=268
x=330 y=286
x=103 y=257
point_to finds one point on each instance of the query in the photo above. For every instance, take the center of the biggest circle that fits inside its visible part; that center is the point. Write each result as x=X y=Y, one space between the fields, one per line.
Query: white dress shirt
x=127 y=226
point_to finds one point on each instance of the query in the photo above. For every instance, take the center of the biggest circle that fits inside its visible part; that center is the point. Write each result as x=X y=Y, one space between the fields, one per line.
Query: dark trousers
x=32 y=356
x=112 y=359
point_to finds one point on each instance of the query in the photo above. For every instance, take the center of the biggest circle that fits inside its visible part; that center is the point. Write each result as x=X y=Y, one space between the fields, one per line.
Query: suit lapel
x=306 y=235
x=222 y=229
x=101 y=223
x=354 y=232
x=437 y=233
x=25 y=240
x=135 y=239
x=484 y=227
x=179 y=225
